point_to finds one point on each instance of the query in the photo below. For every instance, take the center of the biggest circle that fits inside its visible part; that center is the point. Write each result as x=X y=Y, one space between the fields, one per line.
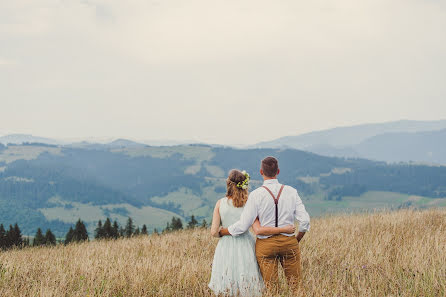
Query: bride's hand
x=290 y=229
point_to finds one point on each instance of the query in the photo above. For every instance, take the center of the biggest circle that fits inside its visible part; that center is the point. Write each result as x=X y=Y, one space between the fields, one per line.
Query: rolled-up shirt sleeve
x=247 y=218
x=301 y=215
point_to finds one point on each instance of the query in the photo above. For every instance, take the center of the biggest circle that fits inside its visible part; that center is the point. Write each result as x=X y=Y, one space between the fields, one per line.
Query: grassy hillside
x=382 y=254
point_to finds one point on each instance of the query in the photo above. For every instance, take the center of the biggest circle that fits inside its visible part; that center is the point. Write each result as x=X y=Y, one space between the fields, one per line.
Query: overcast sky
x=229 y=72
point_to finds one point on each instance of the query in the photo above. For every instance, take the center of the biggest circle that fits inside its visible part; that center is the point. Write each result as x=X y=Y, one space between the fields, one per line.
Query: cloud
x=203 y=69
x=6 y=62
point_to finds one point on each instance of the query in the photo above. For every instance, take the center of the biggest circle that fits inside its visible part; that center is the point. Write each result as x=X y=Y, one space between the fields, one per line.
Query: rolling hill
x=51 y=186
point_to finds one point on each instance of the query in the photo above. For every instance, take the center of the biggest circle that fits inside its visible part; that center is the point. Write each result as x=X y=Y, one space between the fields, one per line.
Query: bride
x=234 y=269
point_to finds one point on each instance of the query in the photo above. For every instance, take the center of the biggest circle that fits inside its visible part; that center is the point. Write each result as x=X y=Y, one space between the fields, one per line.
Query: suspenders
x=276 y=201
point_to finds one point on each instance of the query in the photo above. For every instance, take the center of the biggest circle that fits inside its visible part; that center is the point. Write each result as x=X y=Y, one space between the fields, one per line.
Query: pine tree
x=50 y=239
x=176 y=224
x=99 y=231
x=129 y=228
x=144 y=230
x=192 y=223
x=2 y=237
x=115 y=230
x=155 y=231
x=168 y=228
x=121 y=232
x=69 y=236
x=80 y=231
x=10 y=237
x=137 y=231
x=18 y=240
x=108 y=229
x=26 y=242
x=204 y=224
x=38 y=238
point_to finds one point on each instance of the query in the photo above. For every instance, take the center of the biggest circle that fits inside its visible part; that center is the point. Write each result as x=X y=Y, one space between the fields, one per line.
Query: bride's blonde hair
x=238 y=195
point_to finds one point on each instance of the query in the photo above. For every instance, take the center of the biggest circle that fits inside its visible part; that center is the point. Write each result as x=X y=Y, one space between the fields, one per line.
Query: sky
x=226 y=72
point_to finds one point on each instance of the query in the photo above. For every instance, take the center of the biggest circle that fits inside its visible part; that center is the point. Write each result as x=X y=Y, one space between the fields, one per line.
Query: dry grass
x=383 y=254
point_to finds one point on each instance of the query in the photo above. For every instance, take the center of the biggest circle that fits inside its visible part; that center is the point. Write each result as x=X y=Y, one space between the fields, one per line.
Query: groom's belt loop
x=276 y=201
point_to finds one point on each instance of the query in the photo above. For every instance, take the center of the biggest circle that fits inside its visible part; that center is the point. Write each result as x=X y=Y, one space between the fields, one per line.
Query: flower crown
x=244 y=184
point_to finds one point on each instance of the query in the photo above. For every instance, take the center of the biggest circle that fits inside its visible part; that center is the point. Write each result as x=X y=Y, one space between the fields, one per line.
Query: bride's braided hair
x=238 y=195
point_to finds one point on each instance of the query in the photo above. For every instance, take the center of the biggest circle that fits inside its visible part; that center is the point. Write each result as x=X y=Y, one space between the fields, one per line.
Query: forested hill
x=52 y=186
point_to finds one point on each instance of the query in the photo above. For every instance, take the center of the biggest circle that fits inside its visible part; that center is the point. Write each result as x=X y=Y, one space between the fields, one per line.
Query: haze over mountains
x=401 y=141
x=79 y=142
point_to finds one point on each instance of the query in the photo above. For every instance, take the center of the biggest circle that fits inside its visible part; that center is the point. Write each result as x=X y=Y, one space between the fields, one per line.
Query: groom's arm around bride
x=275 y=205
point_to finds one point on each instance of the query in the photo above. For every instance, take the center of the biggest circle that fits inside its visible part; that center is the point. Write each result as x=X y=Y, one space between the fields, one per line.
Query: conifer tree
x=99 y=231
x=204 y=224
x=137 y=231
x=18 y=240
x=50 y=239
x=108 y=229
x=38 y=238
x=10 y=237
x=69 y=236
x=155 y=231
x=168 y=228
x=80 y=231
x=115 y=230
x=129 y=227
x=26 y=241
x=144 y=230
x=176 y=224
x=2 y=237
x=121 y=232
x=192 y=223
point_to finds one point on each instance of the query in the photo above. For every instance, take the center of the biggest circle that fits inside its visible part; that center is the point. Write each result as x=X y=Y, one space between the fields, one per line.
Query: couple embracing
x=242 y=265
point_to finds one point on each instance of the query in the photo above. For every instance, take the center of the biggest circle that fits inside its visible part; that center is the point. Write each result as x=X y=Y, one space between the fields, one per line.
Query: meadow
x=400 y=253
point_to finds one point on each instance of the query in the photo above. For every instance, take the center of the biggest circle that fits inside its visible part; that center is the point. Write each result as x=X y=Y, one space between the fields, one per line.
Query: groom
x=275 y=205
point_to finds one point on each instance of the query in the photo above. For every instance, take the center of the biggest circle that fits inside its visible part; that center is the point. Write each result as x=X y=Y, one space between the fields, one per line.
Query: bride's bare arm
x=216 y=220
x=259 y=230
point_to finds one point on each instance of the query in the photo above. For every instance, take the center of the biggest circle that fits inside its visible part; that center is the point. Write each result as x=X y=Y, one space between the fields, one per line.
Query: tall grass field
x=400 y=253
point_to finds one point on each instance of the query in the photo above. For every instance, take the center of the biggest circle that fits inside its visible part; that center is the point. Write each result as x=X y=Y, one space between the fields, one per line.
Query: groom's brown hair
x=270 y=166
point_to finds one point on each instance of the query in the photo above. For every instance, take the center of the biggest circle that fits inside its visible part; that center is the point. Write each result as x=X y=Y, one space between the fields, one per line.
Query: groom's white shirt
x=261 y=204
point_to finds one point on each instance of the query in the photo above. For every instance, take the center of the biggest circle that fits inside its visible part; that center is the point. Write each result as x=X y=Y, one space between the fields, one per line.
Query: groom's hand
x=224 y=232
x=299 y=236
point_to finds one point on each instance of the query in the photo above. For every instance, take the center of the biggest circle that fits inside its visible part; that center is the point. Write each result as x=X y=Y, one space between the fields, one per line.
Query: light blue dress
x=235 y=270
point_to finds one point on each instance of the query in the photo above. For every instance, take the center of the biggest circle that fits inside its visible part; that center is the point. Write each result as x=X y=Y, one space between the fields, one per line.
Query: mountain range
x=401 y=141
x=28 y=138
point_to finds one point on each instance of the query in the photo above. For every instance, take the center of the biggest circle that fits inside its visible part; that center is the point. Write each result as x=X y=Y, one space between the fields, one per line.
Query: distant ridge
x=427 y=146
x=124 y=143
x=380 y=141
x=350 y=135
x=27 y=138
x=90 y=142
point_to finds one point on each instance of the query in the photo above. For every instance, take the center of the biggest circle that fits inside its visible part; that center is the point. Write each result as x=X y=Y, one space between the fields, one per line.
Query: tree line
x=176 y=224
x=13 y=236
x=113 y=231
x=106 y=230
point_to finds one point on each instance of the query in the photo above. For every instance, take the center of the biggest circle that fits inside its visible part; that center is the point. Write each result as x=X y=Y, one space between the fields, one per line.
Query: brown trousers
x=279 y=248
